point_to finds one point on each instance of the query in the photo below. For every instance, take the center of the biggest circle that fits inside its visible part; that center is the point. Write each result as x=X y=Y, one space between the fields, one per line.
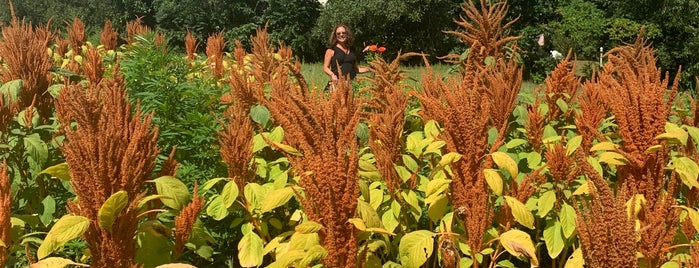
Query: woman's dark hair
x=333 y=37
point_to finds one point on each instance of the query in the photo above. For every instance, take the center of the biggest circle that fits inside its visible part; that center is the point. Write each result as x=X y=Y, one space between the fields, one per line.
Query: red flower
x=372 y=48
x=382 y=49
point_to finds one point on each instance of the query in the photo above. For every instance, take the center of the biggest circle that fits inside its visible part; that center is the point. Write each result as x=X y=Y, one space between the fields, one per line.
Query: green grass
x=313 y=72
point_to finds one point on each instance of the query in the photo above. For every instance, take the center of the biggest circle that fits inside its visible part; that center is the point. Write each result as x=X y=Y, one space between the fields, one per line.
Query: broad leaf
x=505 y=162
x=613 y=158
x=573 y=145
x=216 y=209
x=449 y=158
x=576 y=259
x=519 y=244
x=65 y=229
x=553 y=237
x=229 y=194
x=277 y=198
x=687 y=169
x=494 y=180
x=250 y=250
x=175 y=190
x=567 y=217
x=308 y=227
x=55 y=262
x=111 y=208
x=415 y=248
x=520 y=212
x=546 y=202
x=59 y=171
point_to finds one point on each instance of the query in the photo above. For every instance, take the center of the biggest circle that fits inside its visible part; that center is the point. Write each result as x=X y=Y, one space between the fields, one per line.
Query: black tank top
x=347 y=62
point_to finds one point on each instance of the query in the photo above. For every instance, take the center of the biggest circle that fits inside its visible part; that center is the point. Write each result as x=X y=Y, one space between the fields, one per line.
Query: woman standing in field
x=339 y=59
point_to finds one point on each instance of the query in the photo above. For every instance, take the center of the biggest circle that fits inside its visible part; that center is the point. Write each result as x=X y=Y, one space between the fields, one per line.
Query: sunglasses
x=340 y=33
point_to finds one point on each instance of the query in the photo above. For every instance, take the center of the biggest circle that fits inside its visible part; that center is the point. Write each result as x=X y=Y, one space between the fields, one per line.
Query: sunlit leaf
x=603 y=146
x=415 y=248
x=174 y=189
x=613 y=158
x=449 y=158
x=514 y=143
x=546 y=202
x=65 y=229
x=59 y=171
x=520 y=212
x=250 y=250
x=567 y=217
x=111 y=208
x=277 y=198
x=553 y=237
x=229 y=193
x=519 y=244
x=494 y=180
x=308 y=227
x=55 y=262
x=576 y=259
x=505 y=162
x=687 y=169
x=573 y=144
x=287 y=149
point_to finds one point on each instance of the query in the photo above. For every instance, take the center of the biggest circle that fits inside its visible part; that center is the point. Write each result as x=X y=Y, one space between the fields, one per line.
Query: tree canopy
x=581 y=26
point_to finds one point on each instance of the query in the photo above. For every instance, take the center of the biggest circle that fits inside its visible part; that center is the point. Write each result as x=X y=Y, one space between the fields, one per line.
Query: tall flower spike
x=323 y=129
x=109 y=148
x=190 y=45
x=561 y=85
x=109 y=37
x=214 y=51
x=5 y=213
x=236 y=139
x=185 y=221
x=23 y=50
x=484 y=31
x=76 y=35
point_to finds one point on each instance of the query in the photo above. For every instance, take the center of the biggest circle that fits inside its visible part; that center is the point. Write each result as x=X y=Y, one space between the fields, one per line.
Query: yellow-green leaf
x=573 y=144
x=519 y=244
x=415 y=248
x=437 y=208
x=65 y=229
x=567 y=217
x=308 y=227
x=603 y=146
x=449 y=158
x=638 y=202
x=111 y=209
x=553 y=237
x=653 y=149
x=505 y=162
x=176 y=265
x=687 y=169
x=576 y=260
x=60 y=171
x=368 y=214
x=313 y=254
x=174 y=189
x=494 y=180
x=693 y=217
x=358 y=223
x=229 y=193
x=436 y=187
x=514 y=143
x=250 y=250
x=277 y=198
x=613 y=158
x=216 y=209
x=546 y=202
x=520 y=212
x=287 y=149
x=55 y=262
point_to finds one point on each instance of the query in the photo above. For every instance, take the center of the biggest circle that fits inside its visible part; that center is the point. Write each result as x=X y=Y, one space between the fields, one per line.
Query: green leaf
x=11 y=90
x=567 y=217
x=434 y=146
x=553 y=237
x=505 y=162
x=437 y=208
x=410 y=197
x=533 y=160
x=260 y=114
x=519 y=244
x=514 y=143
x=55 y=262
x=389 y=221
x=562 y=104
x=216 y=209
x=573 y=144
x=603 y=146
x=546 y=202
x=693 y=132
x=613 y=158
x=436 y=187
x=49 y=205
x=410 y=163
x=431 y=129
x=449 y=158
x=415 y=248
x=59 y=171
x=673 y=134
x=277 y=198
x=494 y=180
x=287 y=149
x=358 y=223
x=176 y=192
x=111 y=208
x=520 y=212
x=313 y=254
x=308 y=227
x=693 y=216
x=576 y=259
x=229 y=194
x=67 y=228
x=687 y=169
x=210 y=183
x=250 y=250
x=368 y=214
x=36 y=148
